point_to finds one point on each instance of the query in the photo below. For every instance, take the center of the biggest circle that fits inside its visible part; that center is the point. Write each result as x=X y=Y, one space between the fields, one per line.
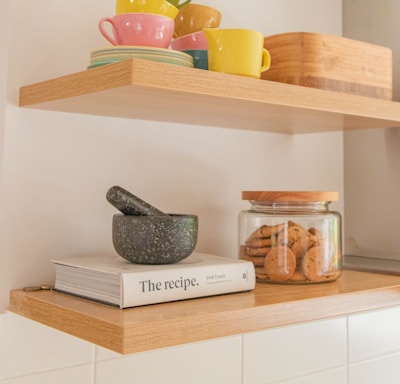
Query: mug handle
x=103 y=29
x=266 y=61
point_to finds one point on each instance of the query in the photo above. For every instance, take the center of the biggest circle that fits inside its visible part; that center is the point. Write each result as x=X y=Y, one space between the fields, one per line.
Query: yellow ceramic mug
x=237 y=51
x=159 y=7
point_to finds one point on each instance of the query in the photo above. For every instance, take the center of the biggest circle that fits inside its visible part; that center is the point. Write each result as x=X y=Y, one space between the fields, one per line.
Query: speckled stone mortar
x=154 y=239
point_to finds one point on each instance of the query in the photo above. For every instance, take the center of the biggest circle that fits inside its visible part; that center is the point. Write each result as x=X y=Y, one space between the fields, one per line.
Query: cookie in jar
x=291 y=237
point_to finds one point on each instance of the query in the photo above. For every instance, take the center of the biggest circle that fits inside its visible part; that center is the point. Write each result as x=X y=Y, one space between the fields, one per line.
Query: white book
x=114 y=280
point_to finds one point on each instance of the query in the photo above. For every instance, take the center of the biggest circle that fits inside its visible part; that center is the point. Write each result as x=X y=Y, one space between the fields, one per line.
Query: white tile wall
x=27 y=347
x=373 y=334
x=213 y=362
x=383 y=370
x=358 y=349
x=82 y=374
x=335 y=376
x=284 y=353
x=374 y=347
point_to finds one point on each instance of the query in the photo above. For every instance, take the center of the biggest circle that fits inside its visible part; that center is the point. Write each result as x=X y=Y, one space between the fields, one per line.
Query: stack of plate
x=113 y=54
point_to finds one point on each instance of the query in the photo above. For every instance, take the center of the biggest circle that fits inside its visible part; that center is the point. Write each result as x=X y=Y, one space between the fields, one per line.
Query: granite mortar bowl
x=154 y=239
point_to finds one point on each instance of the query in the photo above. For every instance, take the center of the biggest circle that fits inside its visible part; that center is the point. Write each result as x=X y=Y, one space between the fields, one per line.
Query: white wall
x=372 y=158
x=57 y=167
x=4 y=29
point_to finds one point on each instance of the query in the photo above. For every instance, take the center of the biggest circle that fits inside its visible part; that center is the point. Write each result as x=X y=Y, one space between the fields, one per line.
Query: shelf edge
x=170 y=324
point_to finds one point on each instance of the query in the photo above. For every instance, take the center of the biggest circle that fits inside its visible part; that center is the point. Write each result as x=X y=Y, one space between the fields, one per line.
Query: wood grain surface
x=330 y=62
x=148 y=90
x=162 y=325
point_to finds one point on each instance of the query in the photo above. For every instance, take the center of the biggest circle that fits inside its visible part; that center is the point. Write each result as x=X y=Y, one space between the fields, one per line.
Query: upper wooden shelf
x=149 y=90
x=162 y=325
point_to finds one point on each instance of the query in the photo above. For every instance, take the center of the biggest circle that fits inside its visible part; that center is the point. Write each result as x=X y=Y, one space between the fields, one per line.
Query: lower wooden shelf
x=162 y=325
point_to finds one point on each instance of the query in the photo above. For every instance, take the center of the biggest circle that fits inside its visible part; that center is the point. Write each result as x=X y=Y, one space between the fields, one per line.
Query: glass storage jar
x=291 y=237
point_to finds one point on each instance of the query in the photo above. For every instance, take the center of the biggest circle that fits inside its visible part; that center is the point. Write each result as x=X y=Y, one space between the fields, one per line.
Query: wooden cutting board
x=330 y=62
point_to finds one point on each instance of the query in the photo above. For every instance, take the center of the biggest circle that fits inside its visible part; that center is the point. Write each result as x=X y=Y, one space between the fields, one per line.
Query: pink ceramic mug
x=140 y=29
x=196 y=40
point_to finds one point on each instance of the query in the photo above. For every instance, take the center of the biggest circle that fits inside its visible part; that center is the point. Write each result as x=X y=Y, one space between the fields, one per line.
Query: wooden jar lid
x=306 y=196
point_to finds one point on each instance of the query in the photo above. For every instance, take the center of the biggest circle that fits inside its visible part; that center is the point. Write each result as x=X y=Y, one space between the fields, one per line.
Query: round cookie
x=280 y=263
x=260 y=274
x=300 y=247
x=259 y=243
x=293 y=233
x=257 y=251
x=314 y=264
x=262 y=278
x=258 y=261
x=315 y=237
x=266 y=231
x=298 y=277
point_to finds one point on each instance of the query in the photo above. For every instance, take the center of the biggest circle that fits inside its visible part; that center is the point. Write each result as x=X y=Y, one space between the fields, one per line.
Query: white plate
x=149 y=55
x=126 y=49
x=182 y=63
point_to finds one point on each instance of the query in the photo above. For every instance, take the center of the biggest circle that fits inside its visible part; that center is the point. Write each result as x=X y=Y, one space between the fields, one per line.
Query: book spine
x=163 y=286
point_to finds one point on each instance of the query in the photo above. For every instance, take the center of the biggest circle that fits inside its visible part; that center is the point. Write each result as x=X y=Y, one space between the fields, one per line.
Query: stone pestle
x=130 y=204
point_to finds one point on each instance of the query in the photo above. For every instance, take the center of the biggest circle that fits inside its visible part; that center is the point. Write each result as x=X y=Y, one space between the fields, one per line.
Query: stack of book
x=114 y=280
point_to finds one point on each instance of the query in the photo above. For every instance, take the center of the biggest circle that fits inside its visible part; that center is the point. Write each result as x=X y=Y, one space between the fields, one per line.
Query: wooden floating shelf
x=163 y=325
x=148 y=90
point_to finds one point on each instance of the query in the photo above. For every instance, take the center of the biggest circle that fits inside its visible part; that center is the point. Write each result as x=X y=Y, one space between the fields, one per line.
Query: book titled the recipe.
x=114 y=280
